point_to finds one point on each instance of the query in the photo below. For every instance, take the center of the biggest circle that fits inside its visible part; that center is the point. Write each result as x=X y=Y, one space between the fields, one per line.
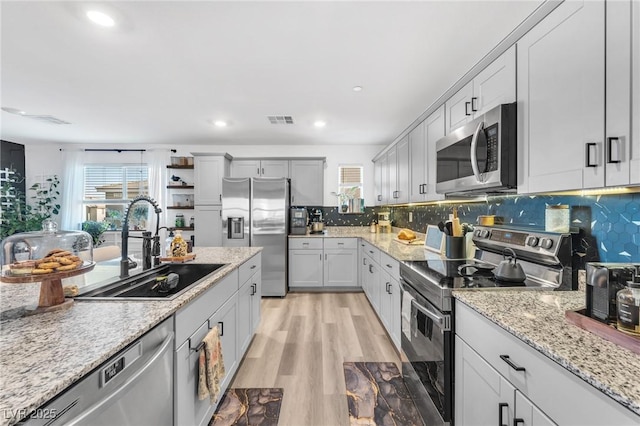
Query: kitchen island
x=42 y=355
x=537 y=318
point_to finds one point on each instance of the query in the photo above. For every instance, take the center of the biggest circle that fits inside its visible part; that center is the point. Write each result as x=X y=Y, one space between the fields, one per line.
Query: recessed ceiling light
x=320 y=123
x=220 y=123
x=357 y=88
x=100 y=18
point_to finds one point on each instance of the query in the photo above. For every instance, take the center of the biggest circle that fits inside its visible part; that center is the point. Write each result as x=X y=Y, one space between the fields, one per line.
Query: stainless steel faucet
x=148 y=251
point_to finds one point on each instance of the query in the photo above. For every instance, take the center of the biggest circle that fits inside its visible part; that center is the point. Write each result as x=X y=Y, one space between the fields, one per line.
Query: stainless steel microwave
x=480 y=157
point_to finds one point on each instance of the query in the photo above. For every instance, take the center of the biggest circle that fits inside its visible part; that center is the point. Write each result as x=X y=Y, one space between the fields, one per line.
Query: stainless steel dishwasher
x=134 y=387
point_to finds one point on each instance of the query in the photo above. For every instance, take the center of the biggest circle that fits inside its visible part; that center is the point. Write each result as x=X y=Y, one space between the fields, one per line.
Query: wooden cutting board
x=415 y=242
x=179 y=259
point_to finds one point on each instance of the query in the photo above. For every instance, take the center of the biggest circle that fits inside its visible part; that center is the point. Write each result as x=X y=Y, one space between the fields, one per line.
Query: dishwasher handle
x=166 y=344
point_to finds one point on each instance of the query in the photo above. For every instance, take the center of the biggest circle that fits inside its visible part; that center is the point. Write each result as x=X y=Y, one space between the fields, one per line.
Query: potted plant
x=95 y=229
x=18 y=215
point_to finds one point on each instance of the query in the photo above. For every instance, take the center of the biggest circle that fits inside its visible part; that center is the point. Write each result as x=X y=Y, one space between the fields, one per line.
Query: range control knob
x=477 y=232
x=532 y=241
x=484 y=233
x=546 y=243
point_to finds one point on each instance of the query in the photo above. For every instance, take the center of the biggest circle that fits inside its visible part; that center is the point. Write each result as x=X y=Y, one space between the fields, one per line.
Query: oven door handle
x=474 y=152
x=443 y=321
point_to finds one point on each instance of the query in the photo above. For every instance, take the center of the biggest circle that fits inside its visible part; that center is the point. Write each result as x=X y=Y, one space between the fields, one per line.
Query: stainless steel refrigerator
x=255 y=213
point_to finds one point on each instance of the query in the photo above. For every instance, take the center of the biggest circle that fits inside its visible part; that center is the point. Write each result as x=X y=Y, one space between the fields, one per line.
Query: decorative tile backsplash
x=610 y=224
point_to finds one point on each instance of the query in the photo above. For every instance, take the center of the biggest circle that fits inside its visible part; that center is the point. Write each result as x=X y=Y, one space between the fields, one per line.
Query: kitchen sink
x=148 y=285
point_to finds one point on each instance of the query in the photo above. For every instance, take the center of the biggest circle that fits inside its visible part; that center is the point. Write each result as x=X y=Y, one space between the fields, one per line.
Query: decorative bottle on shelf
x=179 y=221
x=178 y=246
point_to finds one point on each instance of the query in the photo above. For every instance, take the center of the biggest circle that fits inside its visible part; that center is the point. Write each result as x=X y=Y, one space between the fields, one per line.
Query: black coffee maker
x=604 y=280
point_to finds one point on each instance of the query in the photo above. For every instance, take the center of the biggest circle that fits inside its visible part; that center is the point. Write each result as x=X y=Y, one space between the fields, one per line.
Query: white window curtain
x=157 y=161
x=71 y=214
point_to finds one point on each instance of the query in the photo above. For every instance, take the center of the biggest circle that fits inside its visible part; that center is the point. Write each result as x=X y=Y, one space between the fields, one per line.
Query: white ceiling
x=170 y=67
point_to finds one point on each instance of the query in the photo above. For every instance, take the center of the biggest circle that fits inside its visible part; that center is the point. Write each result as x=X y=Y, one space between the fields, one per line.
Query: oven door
x=427 y=345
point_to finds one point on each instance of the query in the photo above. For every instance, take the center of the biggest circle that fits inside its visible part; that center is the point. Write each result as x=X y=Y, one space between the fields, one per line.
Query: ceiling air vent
x=280 y=119
x=47 y=119
x=44 y=118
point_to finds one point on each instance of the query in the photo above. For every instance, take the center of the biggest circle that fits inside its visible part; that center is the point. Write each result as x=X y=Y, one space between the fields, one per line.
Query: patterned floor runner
x=377 y=395
x=248 y=407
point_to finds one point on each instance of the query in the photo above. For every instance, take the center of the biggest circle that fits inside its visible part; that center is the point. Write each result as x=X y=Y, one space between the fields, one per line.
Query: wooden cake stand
x=51 y=293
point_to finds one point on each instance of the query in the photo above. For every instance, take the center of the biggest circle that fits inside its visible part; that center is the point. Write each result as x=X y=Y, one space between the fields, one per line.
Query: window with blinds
x=108 y=189
x=350 y=188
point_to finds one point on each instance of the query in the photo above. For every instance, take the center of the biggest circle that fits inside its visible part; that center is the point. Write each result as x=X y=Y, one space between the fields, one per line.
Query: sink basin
x=143 y=286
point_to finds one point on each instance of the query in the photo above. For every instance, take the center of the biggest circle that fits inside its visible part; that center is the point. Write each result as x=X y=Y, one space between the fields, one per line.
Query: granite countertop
x=384 y=241
x=41 y=355
x=537 y=318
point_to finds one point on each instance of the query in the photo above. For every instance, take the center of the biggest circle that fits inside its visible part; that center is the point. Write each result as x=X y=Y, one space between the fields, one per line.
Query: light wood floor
x=300 y=346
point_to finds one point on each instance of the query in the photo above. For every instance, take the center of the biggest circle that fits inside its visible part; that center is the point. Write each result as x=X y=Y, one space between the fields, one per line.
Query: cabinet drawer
x=305 y=243
x=372 y=252
x=390 y=265
x=340 y=243
x=192 y=316
x=249 y=268
x=543 y=381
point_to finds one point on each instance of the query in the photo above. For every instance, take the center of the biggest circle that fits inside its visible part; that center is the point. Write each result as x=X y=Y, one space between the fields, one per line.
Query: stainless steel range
x=427 y=320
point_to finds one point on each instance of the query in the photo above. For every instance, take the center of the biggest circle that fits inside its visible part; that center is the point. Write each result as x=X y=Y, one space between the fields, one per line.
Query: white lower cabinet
x=249 y=297
x=236 y=312
x=482 y=395
x=493 y=367
x=209 y=231
x=380 y=279
x=323 y=262
x=305 y=262
x=189 y=410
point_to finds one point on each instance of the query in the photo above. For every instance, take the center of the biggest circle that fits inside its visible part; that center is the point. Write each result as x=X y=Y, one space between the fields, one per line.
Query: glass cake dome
x=47 y=253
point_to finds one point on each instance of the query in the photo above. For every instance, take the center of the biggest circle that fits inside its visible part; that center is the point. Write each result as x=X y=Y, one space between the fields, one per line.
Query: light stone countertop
x=537 y=318
x=383 y=241
x=41 y=355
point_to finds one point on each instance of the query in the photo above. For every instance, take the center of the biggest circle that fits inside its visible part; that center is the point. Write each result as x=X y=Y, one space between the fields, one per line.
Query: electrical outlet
x=410 y=217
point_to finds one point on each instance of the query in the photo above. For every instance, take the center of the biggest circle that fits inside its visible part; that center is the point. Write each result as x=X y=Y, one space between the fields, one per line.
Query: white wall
x=46 y=159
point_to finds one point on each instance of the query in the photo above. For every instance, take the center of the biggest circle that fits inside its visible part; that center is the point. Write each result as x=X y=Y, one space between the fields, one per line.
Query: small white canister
x=556 y=218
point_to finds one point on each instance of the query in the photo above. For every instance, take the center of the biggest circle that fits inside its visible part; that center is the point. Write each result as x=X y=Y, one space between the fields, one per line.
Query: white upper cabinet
x=274 y=168
x=561 y=100
x=459 y=108
x=635 y=86
x=384 y=180
x=401 y=194
x=377 y=181
x=422 y=151
x=494 y=85
x=209 y=169
x=618 y=94
x=307 y=182
x=260 y=168
x=245 y=168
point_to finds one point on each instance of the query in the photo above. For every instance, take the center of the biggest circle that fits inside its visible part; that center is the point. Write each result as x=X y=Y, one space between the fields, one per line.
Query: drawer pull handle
x=371 y=251
x=253 y=267
x=340 y=244
x=389 y=266
x=506 y=359
x=501 y=405
x=517 y=422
